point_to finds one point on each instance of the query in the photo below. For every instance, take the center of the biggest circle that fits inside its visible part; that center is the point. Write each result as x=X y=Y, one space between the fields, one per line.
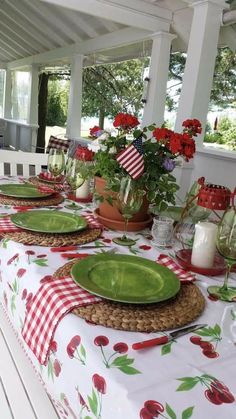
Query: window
x=20 y=95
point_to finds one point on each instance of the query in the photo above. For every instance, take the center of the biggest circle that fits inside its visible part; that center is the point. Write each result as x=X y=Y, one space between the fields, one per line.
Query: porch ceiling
x=103 y=30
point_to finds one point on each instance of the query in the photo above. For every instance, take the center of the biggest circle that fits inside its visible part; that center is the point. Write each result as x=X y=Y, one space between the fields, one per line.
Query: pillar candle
x=204 y=245
x=84 y=190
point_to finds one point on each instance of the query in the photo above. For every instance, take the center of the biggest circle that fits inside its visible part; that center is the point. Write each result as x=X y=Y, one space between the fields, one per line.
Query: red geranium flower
x=125 y=121
x=93 y=131
x=83 y=153
x=162 y=134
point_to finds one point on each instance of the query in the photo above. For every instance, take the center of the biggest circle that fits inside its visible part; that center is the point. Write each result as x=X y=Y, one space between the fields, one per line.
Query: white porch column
x=200 y=63
x=7 y=95
x=198 y=74
x=33 y=104
x=33 y=100
x=155 y=107
x=75 y=99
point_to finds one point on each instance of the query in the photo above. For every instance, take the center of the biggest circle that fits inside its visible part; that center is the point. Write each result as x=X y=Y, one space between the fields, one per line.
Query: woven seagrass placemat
x=54 y=240
x=176 y=312
x=55 y=199
x=40 y=182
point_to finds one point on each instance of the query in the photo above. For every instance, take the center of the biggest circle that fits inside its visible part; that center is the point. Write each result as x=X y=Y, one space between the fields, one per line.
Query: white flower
x=95 y=145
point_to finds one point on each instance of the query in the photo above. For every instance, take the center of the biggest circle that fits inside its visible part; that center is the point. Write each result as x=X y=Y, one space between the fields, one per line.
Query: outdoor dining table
x=93 y=372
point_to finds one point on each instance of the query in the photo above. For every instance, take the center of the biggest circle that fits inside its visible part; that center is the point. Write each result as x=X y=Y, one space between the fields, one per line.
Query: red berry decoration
x=153 y=407
x=212 y=396
x=196 y=340
x=144 y=414
x=101 y=341
x=53 y=346
x=121 y=347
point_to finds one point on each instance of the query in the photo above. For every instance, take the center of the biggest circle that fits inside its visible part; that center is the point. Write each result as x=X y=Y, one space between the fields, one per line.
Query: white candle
x=204 y=245
x=84 y=190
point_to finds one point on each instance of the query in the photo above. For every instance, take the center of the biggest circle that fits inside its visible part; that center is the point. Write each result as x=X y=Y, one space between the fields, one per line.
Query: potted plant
x=147 y=155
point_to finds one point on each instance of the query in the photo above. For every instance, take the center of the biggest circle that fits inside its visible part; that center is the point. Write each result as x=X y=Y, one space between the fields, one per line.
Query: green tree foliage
x=112 y=88
x=57 y=100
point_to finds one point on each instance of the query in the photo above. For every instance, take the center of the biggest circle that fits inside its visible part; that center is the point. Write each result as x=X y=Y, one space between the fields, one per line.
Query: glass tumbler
x=162 y=231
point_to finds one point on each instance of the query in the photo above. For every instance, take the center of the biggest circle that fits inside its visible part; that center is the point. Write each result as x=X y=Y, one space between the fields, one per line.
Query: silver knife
x=167 y=338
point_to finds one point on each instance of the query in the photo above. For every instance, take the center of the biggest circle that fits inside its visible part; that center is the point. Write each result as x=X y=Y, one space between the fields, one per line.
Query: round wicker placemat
x=40 y=182
x=179 y=311
x=54 y=240
x=55 y=199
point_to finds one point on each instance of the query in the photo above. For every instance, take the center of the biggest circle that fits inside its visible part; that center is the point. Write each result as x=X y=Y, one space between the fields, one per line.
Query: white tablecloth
x=180 y=379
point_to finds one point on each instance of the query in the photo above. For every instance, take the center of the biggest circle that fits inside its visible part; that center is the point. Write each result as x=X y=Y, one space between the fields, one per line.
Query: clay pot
x=110 y=212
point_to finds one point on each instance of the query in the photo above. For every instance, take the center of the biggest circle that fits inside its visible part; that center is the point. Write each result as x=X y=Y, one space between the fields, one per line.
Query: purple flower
x=169 y=164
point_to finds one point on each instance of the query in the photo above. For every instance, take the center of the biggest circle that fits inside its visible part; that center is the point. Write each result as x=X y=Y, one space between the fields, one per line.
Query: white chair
x=16 y=163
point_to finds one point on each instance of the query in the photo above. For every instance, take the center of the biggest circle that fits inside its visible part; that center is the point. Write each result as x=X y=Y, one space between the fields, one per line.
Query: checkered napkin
x=53 y=300
x=184 y=276
x=49 y=176
x=7 y=226
x=58 y=143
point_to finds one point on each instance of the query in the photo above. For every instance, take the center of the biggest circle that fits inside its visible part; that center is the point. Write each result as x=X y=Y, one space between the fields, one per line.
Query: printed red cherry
x=70 y=351
x=121 y=347
x=53 y=346
x=20 y=272
x=99 y=383
x=206 y=346
x=144 y=247
x=226 y=396
x=75 y=341
x=212 y=396
x=24 y=294
x=219 y=385
x=57 y=367
x=144 y=414
x=101 y=341
x=154 y=407
x=196 y=340
x=210 y=354
x=213 y=297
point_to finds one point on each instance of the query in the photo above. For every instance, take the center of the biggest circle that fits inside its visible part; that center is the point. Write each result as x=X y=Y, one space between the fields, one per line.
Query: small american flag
x=131 y=159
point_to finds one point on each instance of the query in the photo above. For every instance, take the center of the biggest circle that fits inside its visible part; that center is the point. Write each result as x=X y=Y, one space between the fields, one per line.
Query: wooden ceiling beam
x=18 y=21
x=140 y=17
x=24 y=11
x=117 y=39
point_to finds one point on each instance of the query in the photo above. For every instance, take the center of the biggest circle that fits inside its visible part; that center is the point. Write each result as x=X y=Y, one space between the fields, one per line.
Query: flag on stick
x=131 y=159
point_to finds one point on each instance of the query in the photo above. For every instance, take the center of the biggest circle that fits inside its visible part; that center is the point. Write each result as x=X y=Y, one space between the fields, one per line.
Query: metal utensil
x=167 y=338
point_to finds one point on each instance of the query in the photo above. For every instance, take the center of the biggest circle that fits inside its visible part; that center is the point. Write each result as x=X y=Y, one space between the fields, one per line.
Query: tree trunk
x=101 y=118
x=42 y=111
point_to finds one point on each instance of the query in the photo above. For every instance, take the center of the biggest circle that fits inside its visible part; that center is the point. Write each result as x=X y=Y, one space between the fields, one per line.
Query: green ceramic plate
x=124 y=278
x=22 y=191
x=44 y=221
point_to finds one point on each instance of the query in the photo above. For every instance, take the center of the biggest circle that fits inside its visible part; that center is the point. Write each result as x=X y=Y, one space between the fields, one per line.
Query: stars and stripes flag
x=131 y=159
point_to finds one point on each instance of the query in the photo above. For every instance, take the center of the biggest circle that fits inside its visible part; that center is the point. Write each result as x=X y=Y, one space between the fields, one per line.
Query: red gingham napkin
x=49 y=176
x=92 y=221
x=7 y=226
x=184 y=276
x=53 y=300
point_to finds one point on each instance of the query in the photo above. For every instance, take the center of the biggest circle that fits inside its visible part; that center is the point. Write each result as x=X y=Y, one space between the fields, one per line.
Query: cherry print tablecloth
x=93 y=372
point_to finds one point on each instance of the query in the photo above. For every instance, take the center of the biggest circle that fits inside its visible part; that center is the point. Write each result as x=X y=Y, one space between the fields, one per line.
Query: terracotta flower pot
x=110 y=212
